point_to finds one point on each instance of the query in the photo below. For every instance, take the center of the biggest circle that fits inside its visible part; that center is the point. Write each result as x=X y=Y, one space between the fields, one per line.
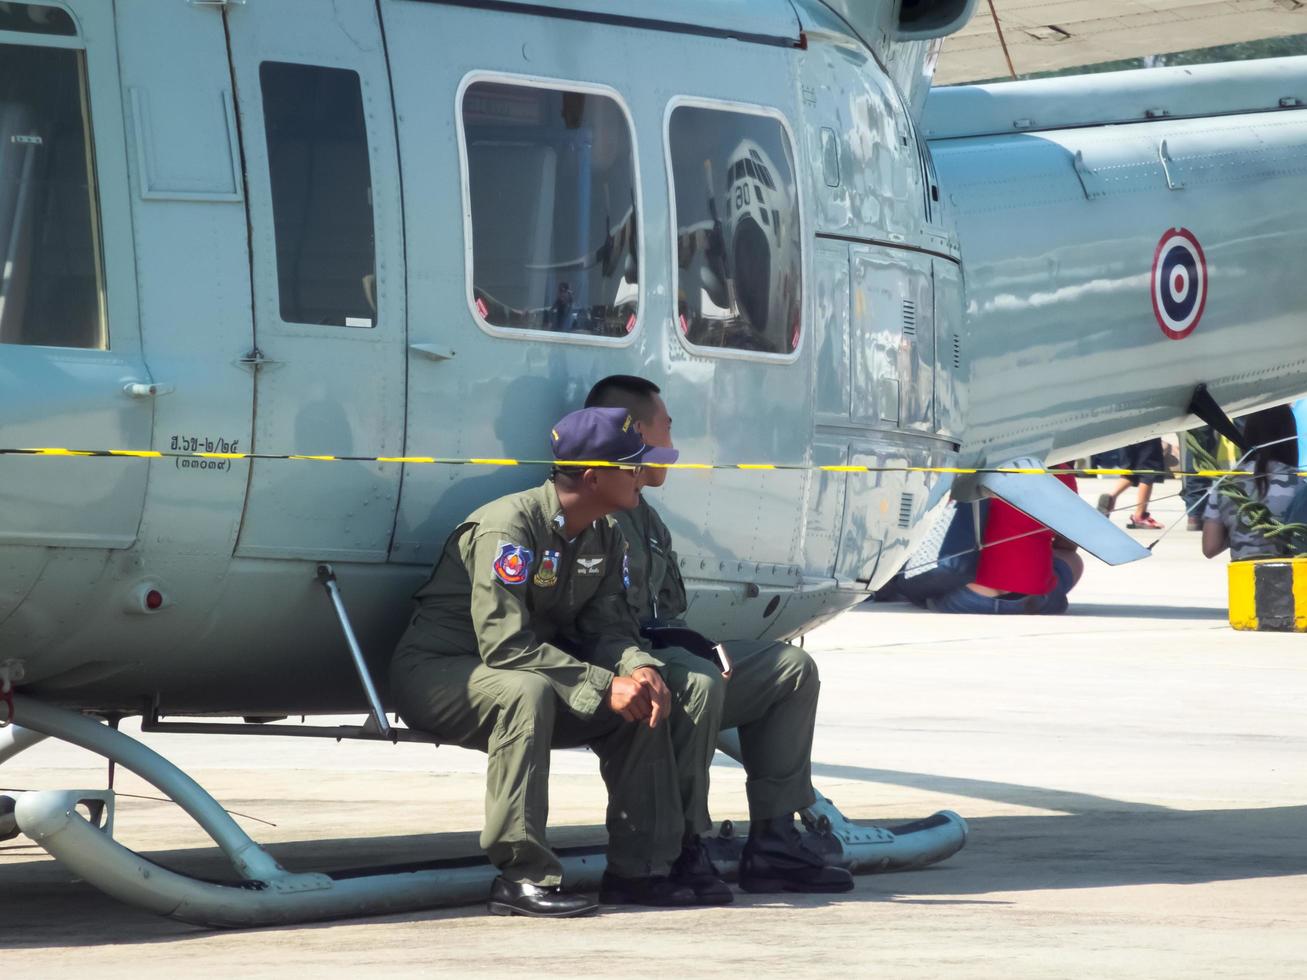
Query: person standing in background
x=1194 y=489
x=1143 y=456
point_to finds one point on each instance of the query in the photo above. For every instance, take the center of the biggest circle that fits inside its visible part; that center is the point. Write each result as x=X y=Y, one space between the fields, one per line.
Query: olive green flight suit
x=512 y=648
x=771 y=696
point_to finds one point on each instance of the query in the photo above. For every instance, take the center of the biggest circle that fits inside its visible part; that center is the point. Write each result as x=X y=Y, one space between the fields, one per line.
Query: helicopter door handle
x=432 y=352
x=137 y=389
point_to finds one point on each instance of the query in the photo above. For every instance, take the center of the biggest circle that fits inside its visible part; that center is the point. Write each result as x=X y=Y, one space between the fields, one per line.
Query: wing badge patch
x=513 y=563
x=590 y=566
x=546 y=576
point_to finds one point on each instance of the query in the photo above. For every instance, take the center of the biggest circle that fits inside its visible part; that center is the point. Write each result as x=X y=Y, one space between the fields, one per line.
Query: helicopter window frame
x=752 y=109
x=562 y=85
x=91 y=149
x=287 y=273
x=56 y=37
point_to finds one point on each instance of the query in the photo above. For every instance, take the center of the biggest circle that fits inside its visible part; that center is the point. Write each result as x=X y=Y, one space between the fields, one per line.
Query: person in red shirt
x=1023 y=567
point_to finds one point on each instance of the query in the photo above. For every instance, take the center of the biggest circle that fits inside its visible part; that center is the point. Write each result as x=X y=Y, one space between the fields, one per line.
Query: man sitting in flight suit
x=522 y=640
x=770 y=696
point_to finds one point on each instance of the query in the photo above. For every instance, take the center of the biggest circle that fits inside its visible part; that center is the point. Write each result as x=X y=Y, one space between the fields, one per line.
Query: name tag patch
x=590 y=566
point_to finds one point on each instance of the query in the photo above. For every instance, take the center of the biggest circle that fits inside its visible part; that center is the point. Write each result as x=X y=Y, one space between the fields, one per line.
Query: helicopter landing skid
x=268 y=894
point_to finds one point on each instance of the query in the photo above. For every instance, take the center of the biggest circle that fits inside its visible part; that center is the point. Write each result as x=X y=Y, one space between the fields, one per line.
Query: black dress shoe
x=523 y=898
x=656 y=890
x=776 y=859
x=695 y=870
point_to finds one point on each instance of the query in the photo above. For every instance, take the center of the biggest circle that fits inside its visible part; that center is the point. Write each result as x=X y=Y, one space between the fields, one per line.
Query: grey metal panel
x=1067 y=353
x=917 y=346
x=192 y=245
x=832 y=354
x=69 y=398
x=825 y=508
x=962 y=111
x=331 y=390
x=773 y=18
x=879 y=195
x=881 y=281
x=950 y=352
x=893 y=508
x=197 y=160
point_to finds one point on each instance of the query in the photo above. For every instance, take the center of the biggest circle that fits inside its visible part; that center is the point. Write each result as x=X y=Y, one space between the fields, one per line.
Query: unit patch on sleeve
x=513 y=563
x=590 y=566
x=546 y=576
x=626 y=571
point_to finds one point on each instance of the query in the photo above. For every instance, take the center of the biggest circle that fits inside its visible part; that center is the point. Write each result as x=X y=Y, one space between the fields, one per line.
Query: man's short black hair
x=624 y=391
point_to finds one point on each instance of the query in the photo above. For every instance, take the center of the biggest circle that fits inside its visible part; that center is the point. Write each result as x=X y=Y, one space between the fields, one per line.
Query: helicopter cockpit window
x=321 y=194
x=51 y=277
x=552 y=187
x=739 y=252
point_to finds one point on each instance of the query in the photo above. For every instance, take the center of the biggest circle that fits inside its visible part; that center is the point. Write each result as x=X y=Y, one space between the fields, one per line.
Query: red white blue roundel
x=1179 y=283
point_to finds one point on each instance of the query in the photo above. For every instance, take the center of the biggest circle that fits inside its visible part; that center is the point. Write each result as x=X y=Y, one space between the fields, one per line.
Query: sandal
x=1146 y=522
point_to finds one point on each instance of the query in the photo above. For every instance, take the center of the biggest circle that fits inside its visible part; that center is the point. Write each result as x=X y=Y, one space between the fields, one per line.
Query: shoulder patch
x=626 y=571
x=546 y=576
x=513 y=563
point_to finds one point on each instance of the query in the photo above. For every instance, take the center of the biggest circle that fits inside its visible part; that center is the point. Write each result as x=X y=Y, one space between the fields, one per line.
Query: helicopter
x=292 y=286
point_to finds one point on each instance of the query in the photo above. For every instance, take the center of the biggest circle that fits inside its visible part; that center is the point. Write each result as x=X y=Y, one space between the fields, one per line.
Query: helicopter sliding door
x=70 y=356
x=322 y=180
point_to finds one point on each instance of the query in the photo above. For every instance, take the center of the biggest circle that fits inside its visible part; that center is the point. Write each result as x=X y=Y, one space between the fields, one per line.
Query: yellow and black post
x=1269 y=594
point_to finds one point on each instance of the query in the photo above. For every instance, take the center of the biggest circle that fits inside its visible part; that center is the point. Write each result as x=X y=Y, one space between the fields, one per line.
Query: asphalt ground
x=1134 y=774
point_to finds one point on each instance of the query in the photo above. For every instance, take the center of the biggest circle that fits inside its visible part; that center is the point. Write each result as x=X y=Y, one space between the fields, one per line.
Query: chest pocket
x=583 y=577
x=657 y=571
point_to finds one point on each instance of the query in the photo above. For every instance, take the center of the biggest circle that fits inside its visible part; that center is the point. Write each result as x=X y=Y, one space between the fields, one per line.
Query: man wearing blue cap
x=770 y=696
x=522 y=641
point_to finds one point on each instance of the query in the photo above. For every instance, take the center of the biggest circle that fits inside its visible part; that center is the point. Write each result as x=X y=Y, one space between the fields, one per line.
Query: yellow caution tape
x=596 y=464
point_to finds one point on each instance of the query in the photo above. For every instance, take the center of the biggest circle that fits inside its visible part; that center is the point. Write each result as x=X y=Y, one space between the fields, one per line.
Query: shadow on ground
x=1095 y=610
x=40 y=906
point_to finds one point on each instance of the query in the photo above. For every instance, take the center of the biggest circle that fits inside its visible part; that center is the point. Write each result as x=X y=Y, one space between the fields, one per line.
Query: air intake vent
x=957 y=353
x=905 y=510
x=909 y=318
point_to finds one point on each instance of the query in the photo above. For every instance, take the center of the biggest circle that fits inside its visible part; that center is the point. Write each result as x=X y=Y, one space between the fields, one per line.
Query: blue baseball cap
x=604 y=435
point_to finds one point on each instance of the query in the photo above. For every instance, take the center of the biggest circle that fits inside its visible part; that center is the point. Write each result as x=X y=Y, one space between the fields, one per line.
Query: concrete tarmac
x=1134 y=774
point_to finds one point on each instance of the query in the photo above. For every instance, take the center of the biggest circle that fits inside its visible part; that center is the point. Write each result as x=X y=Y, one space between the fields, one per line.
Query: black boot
x=541 y=901
x=776 y=859
x=694 y=869
x=656 y=890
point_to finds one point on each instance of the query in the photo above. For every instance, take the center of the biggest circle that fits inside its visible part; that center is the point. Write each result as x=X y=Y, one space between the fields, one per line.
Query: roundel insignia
x=1179 y=283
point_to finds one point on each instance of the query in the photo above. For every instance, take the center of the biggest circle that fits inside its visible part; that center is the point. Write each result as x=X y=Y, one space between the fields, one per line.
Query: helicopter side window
x=51 y=276
x=739 y=255
x=552 y=196
x=321 y=194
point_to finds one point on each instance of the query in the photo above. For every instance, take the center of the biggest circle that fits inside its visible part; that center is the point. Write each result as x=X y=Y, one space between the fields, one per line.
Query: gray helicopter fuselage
x=423 y=229
x=274 y=282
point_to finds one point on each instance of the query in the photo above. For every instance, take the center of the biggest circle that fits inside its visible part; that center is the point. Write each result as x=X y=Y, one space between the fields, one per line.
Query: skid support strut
x=327 y=576
x=13 y=739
